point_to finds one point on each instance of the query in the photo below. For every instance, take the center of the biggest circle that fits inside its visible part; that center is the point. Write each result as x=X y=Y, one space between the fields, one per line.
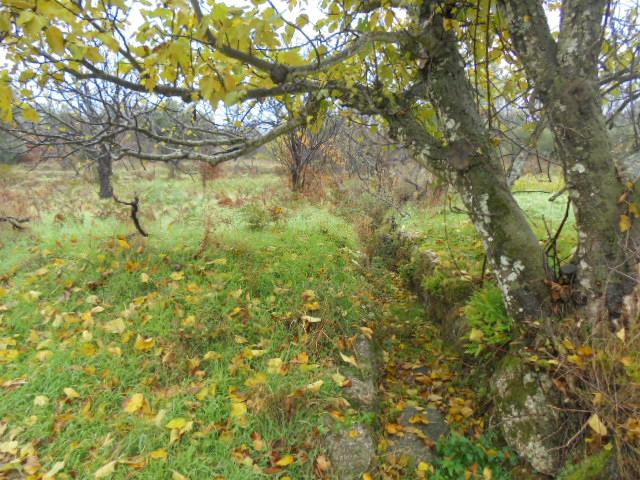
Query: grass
x=197 y=352
x=450 y=233
x=108 y=340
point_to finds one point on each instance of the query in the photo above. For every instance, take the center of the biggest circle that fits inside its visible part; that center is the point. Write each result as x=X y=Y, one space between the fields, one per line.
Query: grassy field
x=211 y=348
x=206 y=350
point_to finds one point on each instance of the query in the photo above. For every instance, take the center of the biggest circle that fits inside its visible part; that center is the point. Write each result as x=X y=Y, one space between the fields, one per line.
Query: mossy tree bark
x=565 y=75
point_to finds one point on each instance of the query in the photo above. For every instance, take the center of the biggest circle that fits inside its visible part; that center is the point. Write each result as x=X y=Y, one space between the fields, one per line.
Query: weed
x=461 y=457
x=491 y=326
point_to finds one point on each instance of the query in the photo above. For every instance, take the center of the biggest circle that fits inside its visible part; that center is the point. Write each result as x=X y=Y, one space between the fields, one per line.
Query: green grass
x=81 y=295
x=450 y=233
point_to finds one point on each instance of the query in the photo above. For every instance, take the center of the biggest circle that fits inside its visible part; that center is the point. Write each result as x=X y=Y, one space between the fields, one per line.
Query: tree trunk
x=565 y=74
x=468 y=160
x=105 y=172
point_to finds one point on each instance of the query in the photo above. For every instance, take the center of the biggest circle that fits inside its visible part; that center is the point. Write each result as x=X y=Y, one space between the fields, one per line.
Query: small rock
x=365 y=355
x=352 y=452
x=412 y=445
x=436 y=428
x=529 y=421
x=361 y=391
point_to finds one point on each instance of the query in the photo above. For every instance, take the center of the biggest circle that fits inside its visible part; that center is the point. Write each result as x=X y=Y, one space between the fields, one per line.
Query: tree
x=303 y=147
x=428 y=100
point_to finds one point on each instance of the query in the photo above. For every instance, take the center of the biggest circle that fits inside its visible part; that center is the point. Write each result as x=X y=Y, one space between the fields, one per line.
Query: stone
x=366 y=356
x=362 y=392
x=436 y=428
x=352 y=452
x=412 y=445
x=524 y=402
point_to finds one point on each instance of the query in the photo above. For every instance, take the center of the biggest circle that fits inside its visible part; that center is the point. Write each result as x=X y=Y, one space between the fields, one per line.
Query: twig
x=15 y=222
x=134 y=213
x=557 y=194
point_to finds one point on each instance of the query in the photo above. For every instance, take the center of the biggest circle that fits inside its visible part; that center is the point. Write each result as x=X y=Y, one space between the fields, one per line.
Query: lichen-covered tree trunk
x=105 y=172
x=565 y=74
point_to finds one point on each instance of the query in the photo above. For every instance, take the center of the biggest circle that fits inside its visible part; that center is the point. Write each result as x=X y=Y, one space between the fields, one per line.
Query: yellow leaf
x=238 y=409
x=177 y=276
x=40 y=400
x=257 y=379
x=144 y=344
x=31 y=114
x=621 y=334
x=116 y=326
x=312 y=307
x=626 y=361
x=177 y=423
x=367 y=476
x=134 y=403
x=124 y=243
x=339 y=379
x=159 y=454
x=71 y=393
x=476 y=335
x=308 y=295
x=144 y=277
x=596 y=425
x=106 y=470
x=57 y=467
x=274 y=366
x=349 y=359
x=212 y=356
x=55 y=40
x=177 y=476
x=310 y=319
x=625 y=223
x=314 y=387
x=286 y=461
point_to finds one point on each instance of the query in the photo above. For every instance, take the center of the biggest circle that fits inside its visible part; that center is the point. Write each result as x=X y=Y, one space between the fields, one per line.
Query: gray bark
x=105 y=172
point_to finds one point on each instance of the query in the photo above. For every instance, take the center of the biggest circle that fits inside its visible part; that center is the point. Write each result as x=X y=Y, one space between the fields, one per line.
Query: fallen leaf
x=134 y=403
x=144 y=344
x=286 y=461
x=349 y=359
x=57 y=467
x=238 y=409
x=177 y=423
x=116 y=326
x=159 y=454
x=71 y=393
x=106 y=470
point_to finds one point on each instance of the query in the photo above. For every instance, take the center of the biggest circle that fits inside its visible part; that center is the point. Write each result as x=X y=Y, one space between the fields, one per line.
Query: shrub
x=491 y=326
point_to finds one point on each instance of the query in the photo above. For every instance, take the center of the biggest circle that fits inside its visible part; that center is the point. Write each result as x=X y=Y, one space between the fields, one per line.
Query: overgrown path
x=426 y=397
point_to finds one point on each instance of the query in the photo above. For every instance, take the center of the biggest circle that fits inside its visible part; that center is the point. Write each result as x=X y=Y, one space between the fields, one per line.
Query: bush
x=491 y=326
